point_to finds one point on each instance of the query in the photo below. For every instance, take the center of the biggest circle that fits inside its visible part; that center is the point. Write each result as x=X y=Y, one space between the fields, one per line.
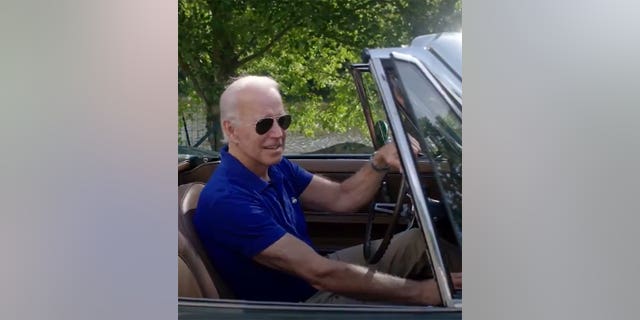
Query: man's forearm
x=359 y=189
x=365 y=284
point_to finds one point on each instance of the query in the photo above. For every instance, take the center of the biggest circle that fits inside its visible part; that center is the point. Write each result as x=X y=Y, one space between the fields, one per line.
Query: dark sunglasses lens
x=284 y=122
x=264 y=125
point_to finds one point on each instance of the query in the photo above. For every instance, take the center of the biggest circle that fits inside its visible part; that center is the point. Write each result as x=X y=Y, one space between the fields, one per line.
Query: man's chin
x=273 y=156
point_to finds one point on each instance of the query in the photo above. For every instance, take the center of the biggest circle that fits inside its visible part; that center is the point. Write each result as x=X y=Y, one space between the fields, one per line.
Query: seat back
x=193 y=277
x=196 y=275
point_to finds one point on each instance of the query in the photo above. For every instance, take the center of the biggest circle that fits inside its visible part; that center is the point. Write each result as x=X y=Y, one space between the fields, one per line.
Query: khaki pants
x=406 y=257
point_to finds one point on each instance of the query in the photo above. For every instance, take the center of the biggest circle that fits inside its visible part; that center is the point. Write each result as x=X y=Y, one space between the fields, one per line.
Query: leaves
x=305 y=45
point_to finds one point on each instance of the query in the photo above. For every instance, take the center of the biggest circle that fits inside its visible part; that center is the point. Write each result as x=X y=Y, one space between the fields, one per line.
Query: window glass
x=429 y=118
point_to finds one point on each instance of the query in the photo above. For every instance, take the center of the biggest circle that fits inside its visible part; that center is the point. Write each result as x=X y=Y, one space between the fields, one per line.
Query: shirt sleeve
x=241 y=224
x=298 y=176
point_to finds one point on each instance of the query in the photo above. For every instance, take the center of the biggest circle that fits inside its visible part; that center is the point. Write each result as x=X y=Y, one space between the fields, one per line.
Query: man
x=250 y=217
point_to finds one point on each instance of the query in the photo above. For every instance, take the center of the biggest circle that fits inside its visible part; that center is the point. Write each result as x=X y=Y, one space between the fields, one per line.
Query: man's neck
x=258 y=169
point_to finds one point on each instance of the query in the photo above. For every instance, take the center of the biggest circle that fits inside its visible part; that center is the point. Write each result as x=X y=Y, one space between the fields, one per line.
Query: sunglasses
x=264 y=125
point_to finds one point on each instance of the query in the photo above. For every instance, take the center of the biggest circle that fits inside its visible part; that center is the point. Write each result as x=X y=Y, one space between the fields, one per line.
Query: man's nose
x=275 y=131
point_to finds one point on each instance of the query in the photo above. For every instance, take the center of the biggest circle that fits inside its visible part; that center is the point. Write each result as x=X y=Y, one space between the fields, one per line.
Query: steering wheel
x=397 y=210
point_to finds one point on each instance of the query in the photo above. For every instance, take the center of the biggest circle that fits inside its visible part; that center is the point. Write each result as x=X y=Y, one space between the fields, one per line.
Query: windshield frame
x=432 y=78
x=409 y=166
x=449 y=180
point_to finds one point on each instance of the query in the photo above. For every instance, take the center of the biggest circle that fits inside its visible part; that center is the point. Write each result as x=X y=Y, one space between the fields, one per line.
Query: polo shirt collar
x=245 y=177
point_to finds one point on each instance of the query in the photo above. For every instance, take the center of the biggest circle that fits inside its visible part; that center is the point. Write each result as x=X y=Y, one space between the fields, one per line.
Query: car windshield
x=430 y=118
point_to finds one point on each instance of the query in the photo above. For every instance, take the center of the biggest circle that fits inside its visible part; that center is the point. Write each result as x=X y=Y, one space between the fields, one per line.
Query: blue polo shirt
x=239 y=215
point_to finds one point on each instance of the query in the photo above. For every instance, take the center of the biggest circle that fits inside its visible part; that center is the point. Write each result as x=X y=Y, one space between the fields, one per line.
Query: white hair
x=229 y=98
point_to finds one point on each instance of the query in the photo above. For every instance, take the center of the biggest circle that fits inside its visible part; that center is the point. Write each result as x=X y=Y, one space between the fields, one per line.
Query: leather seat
x=193 y=278
x=196 y=276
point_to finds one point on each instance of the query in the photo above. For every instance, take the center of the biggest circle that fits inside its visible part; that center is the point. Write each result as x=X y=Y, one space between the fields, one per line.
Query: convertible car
x=412 y=91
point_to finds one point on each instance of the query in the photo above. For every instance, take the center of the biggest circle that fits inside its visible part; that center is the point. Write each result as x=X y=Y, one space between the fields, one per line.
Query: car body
x=412 y=91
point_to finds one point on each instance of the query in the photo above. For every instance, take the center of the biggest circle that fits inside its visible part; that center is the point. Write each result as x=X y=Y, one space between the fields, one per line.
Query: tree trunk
x=222 y=77
x=213 y=127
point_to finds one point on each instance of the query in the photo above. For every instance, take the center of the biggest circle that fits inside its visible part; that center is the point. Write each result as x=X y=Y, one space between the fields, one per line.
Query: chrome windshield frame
x=434 y=80
x=409 y=168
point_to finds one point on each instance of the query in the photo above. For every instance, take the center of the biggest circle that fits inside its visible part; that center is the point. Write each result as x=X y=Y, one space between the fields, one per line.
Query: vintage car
x=412 y=91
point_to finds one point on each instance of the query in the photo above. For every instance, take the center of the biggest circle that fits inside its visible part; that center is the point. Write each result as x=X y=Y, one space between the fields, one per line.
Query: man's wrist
x=378 y=168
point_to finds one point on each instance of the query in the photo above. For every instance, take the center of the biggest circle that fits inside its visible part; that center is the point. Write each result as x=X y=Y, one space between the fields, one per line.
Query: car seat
x=197 y=277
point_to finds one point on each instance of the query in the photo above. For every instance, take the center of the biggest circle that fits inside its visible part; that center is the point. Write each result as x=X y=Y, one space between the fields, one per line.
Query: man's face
x=259 y=149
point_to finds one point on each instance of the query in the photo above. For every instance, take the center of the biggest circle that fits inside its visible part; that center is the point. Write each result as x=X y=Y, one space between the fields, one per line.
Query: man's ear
x=229 y=131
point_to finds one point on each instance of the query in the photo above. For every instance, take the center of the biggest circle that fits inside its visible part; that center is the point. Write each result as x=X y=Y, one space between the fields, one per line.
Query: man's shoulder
x=286 y=163
x=295 y=175
x=224 y=190
x=287 y=167
x=222 y=203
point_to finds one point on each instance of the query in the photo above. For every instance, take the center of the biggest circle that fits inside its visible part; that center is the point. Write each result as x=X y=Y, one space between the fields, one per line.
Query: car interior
x=197 y=277
x=328 y=231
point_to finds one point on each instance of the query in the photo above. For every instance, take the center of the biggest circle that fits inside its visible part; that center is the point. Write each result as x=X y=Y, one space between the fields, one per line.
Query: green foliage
x=429 y=16
x=305 y=45
x=315 y=85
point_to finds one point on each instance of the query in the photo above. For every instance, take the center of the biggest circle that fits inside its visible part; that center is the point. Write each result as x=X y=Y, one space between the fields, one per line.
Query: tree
x=305 y=45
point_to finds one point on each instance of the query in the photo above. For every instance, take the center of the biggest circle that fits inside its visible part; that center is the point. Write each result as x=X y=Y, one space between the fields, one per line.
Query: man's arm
x=348 y=196
x=357 y=190
x=293 y=256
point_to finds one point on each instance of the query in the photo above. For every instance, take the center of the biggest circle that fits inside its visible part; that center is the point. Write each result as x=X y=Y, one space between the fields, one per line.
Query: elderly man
x=251 y=223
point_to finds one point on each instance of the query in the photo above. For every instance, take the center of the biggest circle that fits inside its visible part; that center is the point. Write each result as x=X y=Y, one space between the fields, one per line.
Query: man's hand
x=387 y=155
x=359 y=189
x=457 y=280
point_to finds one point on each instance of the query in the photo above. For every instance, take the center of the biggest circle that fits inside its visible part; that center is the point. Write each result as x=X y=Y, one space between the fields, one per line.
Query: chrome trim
x=420 y=48
x=434 y=80
x=297 y=306
x=438 y=86
x=356 y=73
x=455 y=95
x=409 y=167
